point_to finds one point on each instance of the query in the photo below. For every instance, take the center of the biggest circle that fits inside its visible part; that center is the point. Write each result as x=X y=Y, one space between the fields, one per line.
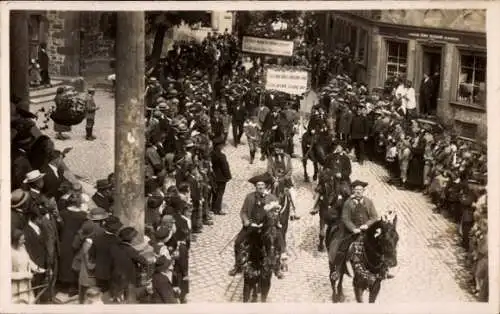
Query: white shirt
x=409 y=99
x=54 y=169
x=400 y=91
x=35 y=227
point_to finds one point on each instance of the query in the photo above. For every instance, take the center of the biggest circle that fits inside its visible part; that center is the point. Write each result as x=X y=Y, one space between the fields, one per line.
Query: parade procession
x=273 y=164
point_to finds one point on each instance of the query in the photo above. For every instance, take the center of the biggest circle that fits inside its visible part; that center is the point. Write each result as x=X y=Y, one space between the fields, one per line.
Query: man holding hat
x=358 y=214
x=252 y=212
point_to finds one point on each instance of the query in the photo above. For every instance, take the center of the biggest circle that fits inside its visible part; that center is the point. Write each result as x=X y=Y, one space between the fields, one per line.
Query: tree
x=160 y=22
x=19 y=57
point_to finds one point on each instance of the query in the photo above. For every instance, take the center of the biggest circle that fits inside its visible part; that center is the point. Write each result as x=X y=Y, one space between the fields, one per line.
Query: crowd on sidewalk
x=62 y=242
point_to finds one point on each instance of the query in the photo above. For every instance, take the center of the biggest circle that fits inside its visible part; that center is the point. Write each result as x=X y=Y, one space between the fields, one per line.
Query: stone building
x=450 y=44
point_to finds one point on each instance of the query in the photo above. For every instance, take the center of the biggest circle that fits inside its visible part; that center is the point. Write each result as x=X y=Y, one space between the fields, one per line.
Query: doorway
x=431 y=66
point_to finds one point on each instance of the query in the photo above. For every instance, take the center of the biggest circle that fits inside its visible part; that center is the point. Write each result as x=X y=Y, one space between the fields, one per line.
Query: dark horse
x=371 y=255
x=315 y=147
x=259 y=257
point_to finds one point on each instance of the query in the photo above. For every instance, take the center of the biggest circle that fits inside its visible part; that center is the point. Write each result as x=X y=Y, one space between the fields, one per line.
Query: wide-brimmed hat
x=33 y=176
x=112 y=224
x=162 y=232
x=359 y=183
x=88 y=230
x=265 y=178
x=18 y=198
x=154 y=201
x=97 y=213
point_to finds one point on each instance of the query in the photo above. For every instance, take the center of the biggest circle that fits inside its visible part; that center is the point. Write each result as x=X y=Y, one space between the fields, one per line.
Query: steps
x=45 y=95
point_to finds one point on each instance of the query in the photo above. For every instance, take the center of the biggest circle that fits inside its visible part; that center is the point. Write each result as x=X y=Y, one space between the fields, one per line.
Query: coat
x=86 y=275
x=36 y=246
x=52 y=182
x=354 y=214
x=344 y=122
x=20 y=166
x=163 y=290
x=220 y=166
x=72 y=222
x=21 y=276
x=253 y=207
x=100 y=252
x=359 y=127
x=102 y=201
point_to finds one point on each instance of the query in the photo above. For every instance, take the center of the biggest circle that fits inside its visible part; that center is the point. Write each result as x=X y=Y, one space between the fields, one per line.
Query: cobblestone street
x=429 y=261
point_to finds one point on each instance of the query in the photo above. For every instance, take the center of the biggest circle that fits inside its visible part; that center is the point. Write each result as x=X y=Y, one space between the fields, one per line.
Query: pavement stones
x=430 y=264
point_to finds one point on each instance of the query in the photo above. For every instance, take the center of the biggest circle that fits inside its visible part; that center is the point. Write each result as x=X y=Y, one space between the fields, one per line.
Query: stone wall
x=63 y=43
x=465 y=19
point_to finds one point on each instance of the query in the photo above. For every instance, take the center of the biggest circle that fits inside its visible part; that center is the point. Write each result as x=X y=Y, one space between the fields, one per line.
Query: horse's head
x=383 y=238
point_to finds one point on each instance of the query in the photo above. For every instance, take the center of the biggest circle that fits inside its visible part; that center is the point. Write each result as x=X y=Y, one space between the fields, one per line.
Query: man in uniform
x=252 y=132
x=279 y=166
x=252 y=212
x=358 y=214
x=291 y=118
x=91 y=109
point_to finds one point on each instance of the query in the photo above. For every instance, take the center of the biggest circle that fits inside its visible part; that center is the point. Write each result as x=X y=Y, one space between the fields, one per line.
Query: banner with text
x=293 y=82
x=267 y=46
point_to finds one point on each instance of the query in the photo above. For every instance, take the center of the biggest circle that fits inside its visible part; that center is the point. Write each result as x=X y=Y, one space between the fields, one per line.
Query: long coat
x=52 y=182
x=220 y=167
x=72 y=222
x=163 y=290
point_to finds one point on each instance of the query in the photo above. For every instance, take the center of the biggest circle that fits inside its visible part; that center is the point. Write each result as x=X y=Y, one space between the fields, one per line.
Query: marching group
x=192 y=97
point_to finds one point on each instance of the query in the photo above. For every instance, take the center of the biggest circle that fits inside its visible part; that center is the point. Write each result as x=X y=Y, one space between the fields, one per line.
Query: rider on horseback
x=252 y=213
x=358 y=214
x=279 y=166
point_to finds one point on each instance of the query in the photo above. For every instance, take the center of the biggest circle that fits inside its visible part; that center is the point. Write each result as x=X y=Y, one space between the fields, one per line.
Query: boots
x=321 y=245
x=89 y=136
x=252 y=156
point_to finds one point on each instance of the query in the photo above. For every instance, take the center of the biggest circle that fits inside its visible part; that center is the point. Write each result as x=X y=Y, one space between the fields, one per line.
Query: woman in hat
x=73 y=217
x=19 y=204
x=22 y=270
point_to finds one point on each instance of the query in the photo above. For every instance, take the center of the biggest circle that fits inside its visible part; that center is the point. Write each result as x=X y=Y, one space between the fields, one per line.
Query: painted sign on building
x=294 y=82
x=267 y=46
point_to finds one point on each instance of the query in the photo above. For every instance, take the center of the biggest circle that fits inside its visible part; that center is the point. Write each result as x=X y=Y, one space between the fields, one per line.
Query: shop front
x=447 y=68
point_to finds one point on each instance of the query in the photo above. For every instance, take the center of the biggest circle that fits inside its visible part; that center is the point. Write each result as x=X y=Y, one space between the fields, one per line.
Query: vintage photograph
x=178 y=157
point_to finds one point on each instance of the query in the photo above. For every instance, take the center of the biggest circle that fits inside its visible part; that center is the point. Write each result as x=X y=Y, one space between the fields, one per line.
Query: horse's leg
x=304 y=165
x=374 y=290
x=265 y=287
x=358 y=292
x=333 y=283
x=321 y=244
x=247 y=287
x=315 y=175
x=340 y=287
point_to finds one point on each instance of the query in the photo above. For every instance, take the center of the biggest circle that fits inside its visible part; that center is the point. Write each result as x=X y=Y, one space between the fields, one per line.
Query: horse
x=371 y=254
x=285 y=201
x=259 y=257
x=315 y=147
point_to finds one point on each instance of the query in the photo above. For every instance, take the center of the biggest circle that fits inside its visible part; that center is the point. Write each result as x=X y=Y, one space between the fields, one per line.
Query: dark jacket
x=100 y=252
x=51 y=182
x=359 y=127
x=102 y=201
x=339 y=163
x=163 y=290
x=20 y=166
x=220 y=167
x=36 y=246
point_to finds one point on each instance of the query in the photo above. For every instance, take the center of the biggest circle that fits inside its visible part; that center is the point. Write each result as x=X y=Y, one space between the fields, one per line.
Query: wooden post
x=19 y=57
x=129 y=120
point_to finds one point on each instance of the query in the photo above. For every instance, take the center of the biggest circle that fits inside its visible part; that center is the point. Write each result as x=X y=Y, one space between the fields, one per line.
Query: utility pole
x=129 y=120
x=19 y=57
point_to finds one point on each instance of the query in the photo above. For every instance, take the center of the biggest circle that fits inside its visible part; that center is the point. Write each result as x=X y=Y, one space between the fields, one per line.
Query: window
x=396 y=59
x=465 y=129
x=472 y=79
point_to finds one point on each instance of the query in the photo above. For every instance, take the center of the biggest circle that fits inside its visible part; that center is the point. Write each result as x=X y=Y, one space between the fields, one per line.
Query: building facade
x=449 y=45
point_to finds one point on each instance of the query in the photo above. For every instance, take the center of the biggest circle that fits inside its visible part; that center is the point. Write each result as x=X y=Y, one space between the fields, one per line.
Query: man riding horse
x=332 y=190
x=279 y=166
x=272 y=130
x=252 y=213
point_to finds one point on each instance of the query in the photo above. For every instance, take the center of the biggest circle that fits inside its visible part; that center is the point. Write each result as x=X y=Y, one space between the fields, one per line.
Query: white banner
x=267 y=46
x=293 y=82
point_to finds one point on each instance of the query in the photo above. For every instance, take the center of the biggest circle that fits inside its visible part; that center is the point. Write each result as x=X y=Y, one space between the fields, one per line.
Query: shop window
x=472 y=79
x=397 y=53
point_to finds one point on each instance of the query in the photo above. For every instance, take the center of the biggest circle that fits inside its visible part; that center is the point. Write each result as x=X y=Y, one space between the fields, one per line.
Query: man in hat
x=20 y=163
x=338 y=161
x=252 y=212
x=164 y=291
x=359 y=134
x=34 y=182
x=279 y=166
x=238 y=115
x=103 y=197
x=222 y=175
x=91 y=108
x=358 y=213
x=54 y=175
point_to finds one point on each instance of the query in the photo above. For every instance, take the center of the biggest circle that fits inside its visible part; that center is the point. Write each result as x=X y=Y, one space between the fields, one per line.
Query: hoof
x=321 y=248
x=306 y=179
x=315 y=177
x=341 y=298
